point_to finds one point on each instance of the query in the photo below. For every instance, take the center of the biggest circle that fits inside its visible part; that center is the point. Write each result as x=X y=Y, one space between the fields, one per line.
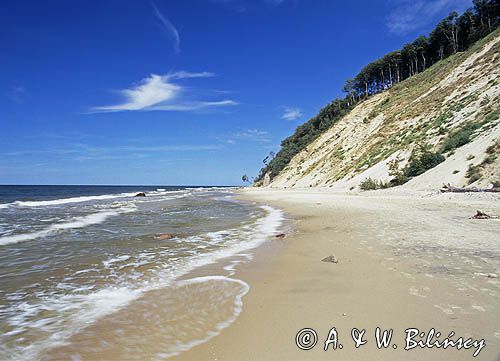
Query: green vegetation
x=492 y=153
x=422 y=162
x=494 y=115
x=452 y=35
x=485 y=101
x=460 y=137
x=465 y=134
x=369 y=184
x=304 y=135
x=475 y=172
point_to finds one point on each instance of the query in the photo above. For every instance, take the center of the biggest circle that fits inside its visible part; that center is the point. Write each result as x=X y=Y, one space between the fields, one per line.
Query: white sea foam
x=116 y=259
x=77 y=222
x=61 y=201
x=56 y=202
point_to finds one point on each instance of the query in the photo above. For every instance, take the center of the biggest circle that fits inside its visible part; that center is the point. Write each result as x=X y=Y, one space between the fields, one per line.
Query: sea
x=94 y=272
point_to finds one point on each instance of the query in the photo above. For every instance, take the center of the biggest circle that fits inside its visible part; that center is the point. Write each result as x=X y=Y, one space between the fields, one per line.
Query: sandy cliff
x=460 y=93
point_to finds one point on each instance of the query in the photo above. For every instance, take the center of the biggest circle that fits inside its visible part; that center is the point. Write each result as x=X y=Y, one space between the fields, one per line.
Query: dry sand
x=404 y=261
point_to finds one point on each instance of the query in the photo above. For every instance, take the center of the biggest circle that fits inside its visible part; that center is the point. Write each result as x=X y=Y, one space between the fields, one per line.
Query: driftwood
x=481 y=215
x=449 y=188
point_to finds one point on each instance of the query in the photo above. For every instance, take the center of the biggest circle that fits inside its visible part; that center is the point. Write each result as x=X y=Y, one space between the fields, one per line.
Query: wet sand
x=404 y=261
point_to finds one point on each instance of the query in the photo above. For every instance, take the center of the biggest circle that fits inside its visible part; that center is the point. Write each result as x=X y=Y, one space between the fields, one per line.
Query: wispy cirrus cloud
x=161 y=92
x=168 y=28
x=82 y=152
x=406 y=16
x=17 y=93
x=255 y=135
x=291 y=113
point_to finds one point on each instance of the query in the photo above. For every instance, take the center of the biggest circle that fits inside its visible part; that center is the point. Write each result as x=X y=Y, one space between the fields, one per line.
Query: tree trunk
x=447 y=188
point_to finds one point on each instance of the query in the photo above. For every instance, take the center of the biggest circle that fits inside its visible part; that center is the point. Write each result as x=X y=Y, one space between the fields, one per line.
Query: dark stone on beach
x=164 y=236
x=140 y=194
x=331 y=259
x=280 y=236
x=482 y=215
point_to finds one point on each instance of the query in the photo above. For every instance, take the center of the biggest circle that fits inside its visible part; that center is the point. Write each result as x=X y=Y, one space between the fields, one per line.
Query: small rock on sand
x=280 y=236
x=331 y=259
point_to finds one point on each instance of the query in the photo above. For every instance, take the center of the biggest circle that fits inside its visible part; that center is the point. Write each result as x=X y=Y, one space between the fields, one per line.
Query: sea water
x=84 y=273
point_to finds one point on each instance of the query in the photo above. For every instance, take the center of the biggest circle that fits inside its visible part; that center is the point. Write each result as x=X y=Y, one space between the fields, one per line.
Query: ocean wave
x=56 y=202
x=77 y=222
x=61 y=201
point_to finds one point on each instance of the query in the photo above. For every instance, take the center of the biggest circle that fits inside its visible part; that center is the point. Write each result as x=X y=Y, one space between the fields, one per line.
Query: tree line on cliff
x=452 y=34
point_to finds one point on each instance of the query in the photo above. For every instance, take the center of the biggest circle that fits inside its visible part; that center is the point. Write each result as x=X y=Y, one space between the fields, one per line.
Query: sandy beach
x=404 y=261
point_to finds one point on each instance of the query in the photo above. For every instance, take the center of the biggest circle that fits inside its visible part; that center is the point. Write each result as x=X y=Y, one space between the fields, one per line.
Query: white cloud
x=159 y=92
x=412 y=15
x=169 y=28
x=291 y=113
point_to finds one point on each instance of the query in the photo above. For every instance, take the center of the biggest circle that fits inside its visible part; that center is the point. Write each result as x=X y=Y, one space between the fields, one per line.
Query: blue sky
x=174 y=92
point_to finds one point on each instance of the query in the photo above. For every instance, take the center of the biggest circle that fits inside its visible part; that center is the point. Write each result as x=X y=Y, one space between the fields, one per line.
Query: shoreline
x=380 y=280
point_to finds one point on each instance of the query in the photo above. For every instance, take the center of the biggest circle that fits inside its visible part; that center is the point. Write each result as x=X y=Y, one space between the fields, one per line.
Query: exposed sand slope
x=422 y=110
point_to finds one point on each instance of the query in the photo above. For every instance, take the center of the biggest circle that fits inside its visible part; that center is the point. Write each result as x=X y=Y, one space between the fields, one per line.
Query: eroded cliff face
x=460 y=92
